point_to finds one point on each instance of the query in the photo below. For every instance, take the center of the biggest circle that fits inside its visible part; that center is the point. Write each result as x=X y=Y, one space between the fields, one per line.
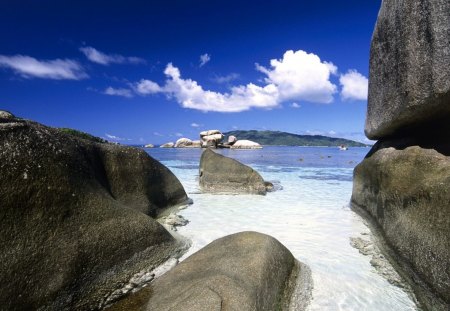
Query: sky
x=139 y=72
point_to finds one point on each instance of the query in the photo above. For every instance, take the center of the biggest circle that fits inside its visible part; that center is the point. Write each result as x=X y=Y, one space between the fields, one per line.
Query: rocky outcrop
x=221 y=174
x=409 y=84
x=211 y=138
x=75 y=217
x=183 y=143
x=407 y=192
x=246 y=144
x=244 y=271
x=149 y=146
x=167 y=145
x=402 y=184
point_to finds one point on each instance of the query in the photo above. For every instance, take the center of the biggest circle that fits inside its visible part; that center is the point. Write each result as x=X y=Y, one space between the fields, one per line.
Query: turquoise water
x=309 y=214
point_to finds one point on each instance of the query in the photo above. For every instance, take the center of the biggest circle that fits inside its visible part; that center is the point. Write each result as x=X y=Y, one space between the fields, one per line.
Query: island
x=278 y=138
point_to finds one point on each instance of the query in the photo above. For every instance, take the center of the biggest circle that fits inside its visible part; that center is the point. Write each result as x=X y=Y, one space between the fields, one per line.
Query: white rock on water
x=167 y=145
x=149 y=146
x=246 y=144
x=183 y=142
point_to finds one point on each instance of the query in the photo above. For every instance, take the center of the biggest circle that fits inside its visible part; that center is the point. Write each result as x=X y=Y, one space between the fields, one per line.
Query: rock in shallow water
x=406 y=191
x=75 y=217
x=222 y=174
x=243 y=271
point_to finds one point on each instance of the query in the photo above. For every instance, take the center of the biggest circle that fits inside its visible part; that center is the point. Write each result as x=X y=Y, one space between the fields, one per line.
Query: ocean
x=309 y=213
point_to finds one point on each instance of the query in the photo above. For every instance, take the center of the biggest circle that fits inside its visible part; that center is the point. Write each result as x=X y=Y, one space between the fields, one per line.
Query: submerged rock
x=75 y=217
x=222 y=174
x=243 y=271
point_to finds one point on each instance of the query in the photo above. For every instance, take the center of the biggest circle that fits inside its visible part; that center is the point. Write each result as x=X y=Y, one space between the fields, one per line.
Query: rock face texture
x=407 y=192
x=409 y=83
x=211 y=138
x=74 y=217
x=221 y=174
x=244 y=271
x=403 y=183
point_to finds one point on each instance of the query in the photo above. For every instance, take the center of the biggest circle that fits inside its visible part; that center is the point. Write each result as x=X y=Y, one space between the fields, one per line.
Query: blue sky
x=152 y=71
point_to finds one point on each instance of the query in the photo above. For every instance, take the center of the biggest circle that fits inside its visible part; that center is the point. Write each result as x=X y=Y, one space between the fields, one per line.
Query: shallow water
x=310 y=216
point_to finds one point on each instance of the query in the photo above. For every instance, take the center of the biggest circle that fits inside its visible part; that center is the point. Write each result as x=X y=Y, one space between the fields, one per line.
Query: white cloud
x=295 y=105
x=57 y=69
x=196 y=125
x=297 y=76
x=145 y=87
x=98 y=57
x=178 y=134
x=158 y=134
x=301 y=76
x=354 y=86
x=118 y=92
x=115 y=138
x=204 y=58
x=332 y=133
x=227 y=79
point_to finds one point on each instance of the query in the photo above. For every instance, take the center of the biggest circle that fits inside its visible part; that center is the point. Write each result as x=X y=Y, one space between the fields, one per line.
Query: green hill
x=276 y=138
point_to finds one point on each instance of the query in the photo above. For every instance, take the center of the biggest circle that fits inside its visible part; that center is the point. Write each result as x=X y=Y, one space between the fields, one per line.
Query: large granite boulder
x=211 y=138
x=75 y=222
x=403 y=183
x=245 y=271
x=409 y=84
x=221 y=174
x=183 y=143
x=406 y=192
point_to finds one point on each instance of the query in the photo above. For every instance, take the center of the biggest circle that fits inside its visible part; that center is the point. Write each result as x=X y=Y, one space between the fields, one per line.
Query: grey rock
x=409 y=84
x=222 y=174
x=6 y=115
x=246 y=144
x=405 y=190
x=167 y=145
x=75 y=217
x=183 y=143
x=243 y=271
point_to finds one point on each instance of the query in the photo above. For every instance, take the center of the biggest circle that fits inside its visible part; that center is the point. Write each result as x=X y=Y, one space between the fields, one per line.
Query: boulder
x=409 y=83
x=231 y=139
x=75 y=217
x=211 y=138
x=406 y=192
x=196 y=144
x=244 y=271
x=221 y=174
x=167 y=145
x=6 y=115
x=246 y=144
x=402 y=185
x=183 y=143
x=149 y=146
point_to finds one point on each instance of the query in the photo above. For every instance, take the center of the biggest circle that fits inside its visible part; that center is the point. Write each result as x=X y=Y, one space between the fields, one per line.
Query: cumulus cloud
x=204 y=58
x=98 y=57
x=354 y=86
x=178 y=134
x=57 y=69
x=118 y=92
x=295 y=105
x=301 y=76
x=227 y=78
x=297 y=76
x=195 y=125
